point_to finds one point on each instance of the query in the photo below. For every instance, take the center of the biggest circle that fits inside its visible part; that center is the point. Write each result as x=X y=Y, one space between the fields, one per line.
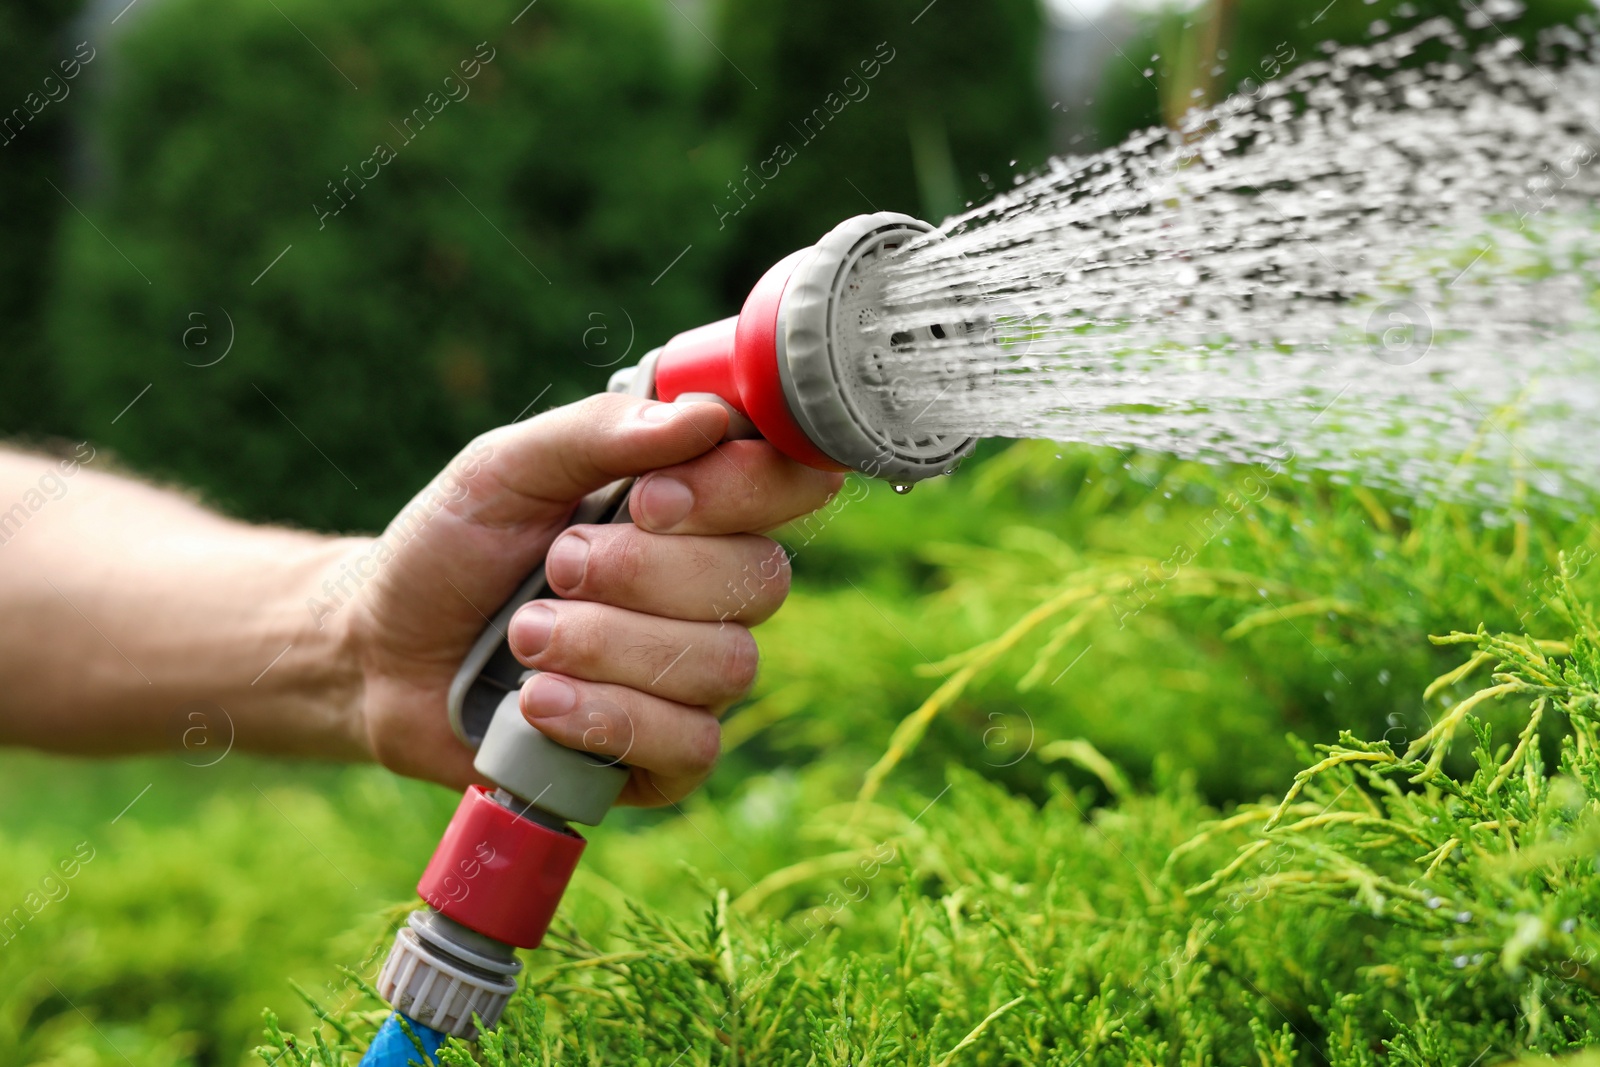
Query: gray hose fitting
x=440 y=973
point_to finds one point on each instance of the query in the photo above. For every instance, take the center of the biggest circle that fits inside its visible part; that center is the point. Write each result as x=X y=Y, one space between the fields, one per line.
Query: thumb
x=453 y=555
x=536 y=470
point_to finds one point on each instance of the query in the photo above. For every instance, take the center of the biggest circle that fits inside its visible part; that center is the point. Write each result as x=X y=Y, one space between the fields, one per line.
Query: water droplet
x=902 y=488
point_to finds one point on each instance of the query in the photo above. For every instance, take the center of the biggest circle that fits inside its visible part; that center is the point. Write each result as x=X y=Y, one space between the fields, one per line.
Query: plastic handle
x=490 y=671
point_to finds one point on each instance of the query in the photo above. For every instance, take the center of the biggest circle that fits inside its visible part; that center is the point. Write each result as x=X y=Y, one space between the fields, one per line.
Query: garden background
x=980 y=687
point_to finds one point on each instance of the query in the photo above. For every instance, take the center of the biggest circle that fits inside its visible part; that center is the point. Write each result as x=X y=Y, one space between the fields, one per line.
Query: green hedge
x=419 y=301
x=1384 y=911
x=37 y=101
x=453 y=250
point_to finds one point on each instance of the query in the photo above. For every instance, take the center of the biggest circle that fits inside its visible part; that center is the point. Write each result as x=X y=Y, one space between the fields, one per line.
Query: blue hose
x=393 y=1048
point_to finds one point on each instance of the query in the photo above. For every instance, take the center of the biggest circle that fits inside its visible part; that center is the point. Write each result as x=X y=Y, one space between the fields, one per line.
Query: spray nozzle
x=805 y=358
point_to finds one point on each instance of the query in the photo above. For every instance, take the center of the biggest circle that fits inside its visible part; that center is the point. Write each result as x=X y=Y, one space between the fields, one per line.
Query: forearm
x=125 y=609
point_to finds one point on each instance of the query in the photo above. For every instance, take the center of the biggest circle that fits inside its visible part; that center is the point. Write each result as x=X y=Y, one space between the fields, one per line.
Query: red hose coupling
x=499 y=873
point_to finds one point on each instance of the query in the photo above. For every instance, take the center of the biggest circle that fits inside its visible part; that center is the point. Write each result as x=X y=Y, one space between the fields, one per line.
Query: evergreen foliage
x=1397 y=904
x=35 y=101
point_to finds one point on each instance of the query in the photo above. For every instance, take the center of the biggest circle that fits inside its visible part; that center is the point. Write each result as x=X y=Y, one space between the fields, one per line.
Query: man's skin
x=121 y=605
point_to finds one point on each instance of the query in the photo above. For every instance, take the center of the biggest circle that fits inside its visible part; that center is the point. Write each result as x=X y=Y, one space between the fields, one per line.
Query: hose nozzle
x=799 y=357
x=798 y=365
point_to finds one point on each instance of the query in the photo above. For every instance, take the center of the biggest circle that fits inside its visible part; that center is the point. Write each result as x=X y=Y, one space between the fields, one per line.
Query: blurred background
x=292 y=256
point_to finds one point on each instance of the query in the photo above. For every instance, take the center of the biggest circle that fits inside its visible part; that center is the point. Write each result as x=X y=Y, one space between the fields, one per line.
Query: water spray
x=795 y=367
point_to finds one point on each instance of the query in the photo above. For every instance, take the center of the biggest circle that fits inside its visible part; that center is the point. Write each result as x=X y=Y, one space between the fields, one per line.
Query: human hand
x=649 y=642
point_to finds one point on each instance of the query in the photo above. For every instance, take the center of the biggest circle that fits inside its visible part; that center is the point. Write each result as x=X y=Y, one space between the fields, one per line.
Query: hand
x=650 y=642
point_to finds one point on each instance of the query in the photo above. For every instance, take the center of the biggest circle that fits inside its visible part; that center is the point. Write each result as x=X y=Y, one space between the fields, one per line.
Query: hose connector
x=492 y=886
x=440 y=974
x=501 y=868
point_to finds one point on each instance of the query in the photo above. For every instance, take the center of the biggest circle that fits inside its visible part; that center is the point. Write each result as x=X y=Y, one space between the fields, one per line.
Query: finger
x=639 y=729
x=700 y=579
x=536 y=470
x=690 y=662
x=739 y=487
x=652 y=789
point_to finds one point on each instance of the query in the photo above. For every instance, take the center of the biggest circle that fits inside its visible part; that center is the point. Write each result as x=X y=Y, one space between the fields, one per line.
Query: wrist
x=311 y=686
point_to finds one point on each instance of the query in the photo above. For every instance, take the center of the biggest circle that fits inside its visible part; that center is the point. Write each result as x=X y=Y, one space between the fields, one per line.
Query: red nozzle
x=737 y=360
x=499 y=873
x=804 y=356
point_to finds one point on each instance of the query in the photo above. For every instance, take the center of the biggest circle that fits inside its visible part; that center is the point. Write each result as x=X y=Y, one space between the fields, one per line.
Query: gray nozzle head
x=828 y=327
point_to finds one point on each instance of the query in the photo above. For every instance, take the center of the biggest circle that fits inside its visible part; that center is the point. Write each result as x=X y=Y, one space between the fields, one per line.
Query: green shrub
x=500 y=258
x=951 y=111
x=206 y=901
x=198 y=903
x=34 y=119
x=1202 y=54
x=1385 y=911
x=452 y=253
x=1041 y=598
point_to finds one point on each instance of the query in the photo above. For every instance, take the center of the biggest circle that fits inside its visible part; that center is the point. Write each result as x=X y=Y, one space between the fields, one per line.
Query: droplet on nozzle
x=902 y=488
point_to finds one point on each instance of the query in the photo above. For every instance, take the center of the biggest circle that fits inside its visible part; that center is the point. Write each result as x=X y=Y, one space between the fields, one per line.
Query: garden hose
x=785 y=367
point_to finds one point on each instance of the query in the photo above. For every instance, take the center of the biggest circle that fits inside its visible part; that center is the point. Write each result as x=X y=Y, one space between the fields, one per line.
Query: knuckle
x=624 y=558
x=704 y=745
x=740 y=658
x=485 y=446
x=773 y=569
x=602 y=406
x=576 y=640
x=387 y=752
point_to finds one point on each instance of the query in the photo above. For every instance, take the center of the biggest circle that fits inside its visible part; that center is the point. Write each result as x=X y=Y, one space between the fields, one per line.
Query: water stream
x=1391 y=272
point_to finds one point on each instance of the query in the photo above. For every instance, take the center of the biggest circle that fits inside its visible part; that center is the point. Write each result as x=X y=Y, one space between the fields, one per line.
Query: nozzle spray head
x=802 y=355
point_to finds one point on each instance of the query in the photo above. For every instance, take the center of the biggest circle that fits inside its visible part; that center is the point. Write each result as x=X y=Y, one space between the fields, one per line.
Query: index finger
x=737 y=487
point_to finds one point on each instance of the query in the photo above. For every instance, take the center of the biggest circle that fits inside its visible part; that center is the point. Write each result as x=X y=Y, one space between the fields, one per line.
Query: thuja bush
x=1153 y=606
x=1391 y=907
